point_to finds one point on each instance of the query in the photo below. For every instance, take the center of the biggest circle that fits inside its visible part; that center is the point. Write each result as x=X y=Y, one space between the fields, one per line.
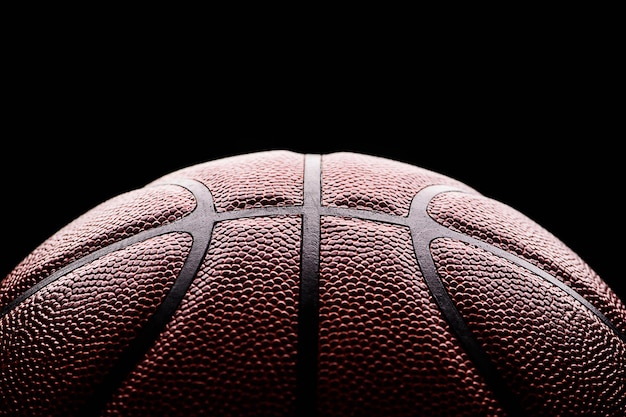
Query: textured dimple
x=502 y=226
x=374 y=183
x=230 y=349
x=261 y=179
x=58 y=343
x=384 y=347
x=111 y=221
x=556 y=355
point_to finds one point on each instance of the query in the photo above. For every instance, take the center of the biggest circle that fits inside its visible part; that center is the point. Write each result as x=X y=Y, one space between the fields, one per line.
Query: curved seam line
x=437 y=230
x=423 y=230
x=201 y=229
x=175 y=226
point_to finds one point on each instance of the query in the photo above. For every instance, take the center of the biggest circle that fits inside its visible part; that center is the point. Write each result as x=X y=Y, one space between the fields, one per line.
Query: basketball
x=286 y=284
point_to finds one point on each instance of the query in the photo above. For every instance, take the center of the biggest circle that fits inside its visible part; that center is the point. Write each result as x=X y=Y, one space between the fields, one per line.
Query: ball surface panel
x=284 y=284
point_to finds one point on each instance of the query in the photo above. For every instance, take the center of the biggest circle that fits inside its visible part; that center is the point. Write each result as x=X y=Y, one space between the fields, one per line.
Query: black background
x=531 y=122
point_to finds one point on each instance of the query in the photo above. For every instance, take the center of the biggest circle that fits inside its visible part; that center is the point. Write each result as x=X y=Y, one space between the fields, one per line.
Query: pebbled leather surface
x=385 y=348
x=109 y=222
x=553 y=352
x=60 y=342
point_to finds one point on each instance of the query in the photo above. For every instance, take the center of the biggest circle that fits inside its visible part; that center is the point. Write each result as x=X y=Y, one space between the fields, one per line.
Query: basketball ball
x=277 y=283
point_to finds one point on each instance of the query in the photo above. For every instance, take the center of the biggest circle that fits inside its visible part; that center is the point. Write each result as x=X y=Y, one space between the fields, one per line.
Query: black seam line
x=181 y=226
x=200 y=225
x=308 y=315
x=139 y=237
x=543 y=274
x=423 y=230
x=186 y=224
x=432 y=230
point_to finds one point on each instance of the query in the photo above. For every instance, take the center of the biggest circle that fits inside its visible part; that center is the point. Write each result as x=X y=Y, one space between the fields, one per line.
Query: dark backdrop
x=525 y=113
